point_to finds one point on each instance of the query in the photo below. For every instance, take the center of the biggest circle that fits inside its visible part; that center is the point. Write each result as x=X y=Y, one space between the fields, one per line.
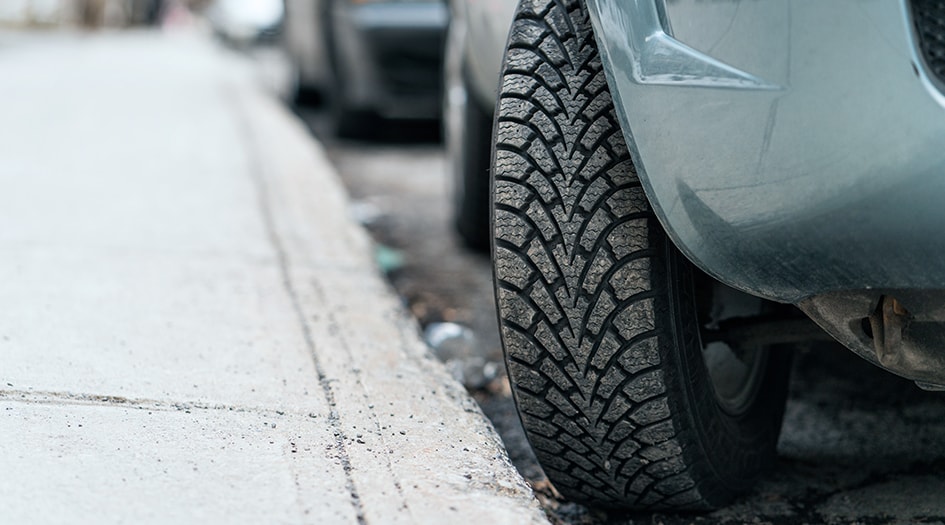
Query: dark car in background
x=373 y=58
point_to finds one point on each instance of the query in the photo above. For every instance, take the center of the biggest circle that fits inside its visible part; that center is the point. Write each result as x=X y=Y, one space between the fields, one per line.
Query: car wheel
x=347 y=121
x=602 y=319
x=468 y=137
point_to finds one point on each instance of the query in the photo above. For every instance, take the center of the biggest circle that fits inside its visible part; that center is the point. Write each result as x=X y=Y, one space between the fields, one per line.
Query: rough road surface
x=191 y=329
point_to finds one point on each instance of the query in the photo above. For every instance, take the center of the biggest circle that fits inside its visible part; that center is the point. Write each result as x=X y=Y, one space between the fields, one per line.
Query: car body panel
x=486 y=24
x=790 y=149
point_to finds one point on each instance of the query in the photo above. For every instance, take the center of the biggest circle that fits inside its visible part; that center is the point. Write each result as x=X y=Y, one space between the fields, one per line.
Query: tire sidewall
x=737 y=447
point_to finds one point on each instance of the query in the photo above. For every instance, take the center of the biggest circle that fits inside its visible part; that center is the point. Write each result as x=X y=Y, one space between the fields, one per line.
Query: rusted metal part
x=887 y=323
x=905 y=342
x=902 y=331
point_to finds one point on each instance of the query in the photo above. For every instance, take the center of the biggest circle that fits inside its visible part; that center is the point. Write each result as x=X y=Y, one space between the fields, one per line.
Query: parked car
x=245 y=22
x=475 y=45
x=384 y=57
x=669 y=178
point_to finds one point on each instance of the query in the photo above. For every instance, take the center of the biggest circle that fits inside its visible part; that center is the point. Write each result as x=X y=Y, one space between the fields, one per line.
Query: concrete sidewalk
x=191 y=330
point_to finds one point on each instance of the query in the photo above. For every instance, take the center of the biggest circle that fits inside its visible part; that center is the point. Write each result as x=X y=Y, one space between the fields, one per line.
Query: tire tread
x=583 y=354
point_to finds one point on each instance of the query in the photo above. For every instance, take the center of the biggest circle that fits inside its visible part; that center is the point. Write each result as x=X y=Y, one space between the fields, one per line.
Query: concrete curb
x=415 y=428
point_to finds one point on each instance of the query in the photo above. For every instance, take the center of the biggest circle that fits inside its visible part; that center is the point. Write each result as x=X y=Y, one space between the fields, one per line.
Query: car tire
x=601 y=317
x=468 y=137
x=347 y=121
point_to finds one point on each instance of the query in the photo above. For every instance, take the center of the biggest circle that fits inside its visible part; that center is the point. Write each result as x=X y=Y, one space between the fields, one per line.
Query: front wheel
x=601 y=317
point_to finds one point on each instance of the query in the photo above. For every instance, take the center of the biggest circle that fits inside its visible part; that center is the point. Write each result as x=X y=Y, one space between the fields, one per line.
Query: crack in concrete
x=343 y=341
x=256 y=172
x=49 y=397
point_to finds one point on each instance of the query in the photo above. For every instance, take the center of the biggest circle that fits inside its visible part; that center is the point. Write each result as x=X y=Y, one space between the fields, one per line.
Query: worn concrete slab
x=179 y=277
x=89 y=461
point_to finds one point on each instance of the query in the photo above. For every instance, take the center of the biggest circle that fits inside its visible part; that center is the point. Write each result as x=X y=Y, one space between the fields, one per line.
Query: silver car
x=673 y=183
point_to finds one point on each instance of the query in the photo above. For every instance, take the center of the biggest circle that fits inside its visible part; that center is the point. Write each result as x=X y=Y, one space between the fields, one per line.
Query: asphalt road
x=858 y=445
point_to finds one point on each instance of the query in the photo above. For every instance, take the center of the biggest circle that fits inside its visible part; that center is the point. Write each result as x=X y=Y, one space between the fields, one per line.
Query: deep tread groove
x=544 y=244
